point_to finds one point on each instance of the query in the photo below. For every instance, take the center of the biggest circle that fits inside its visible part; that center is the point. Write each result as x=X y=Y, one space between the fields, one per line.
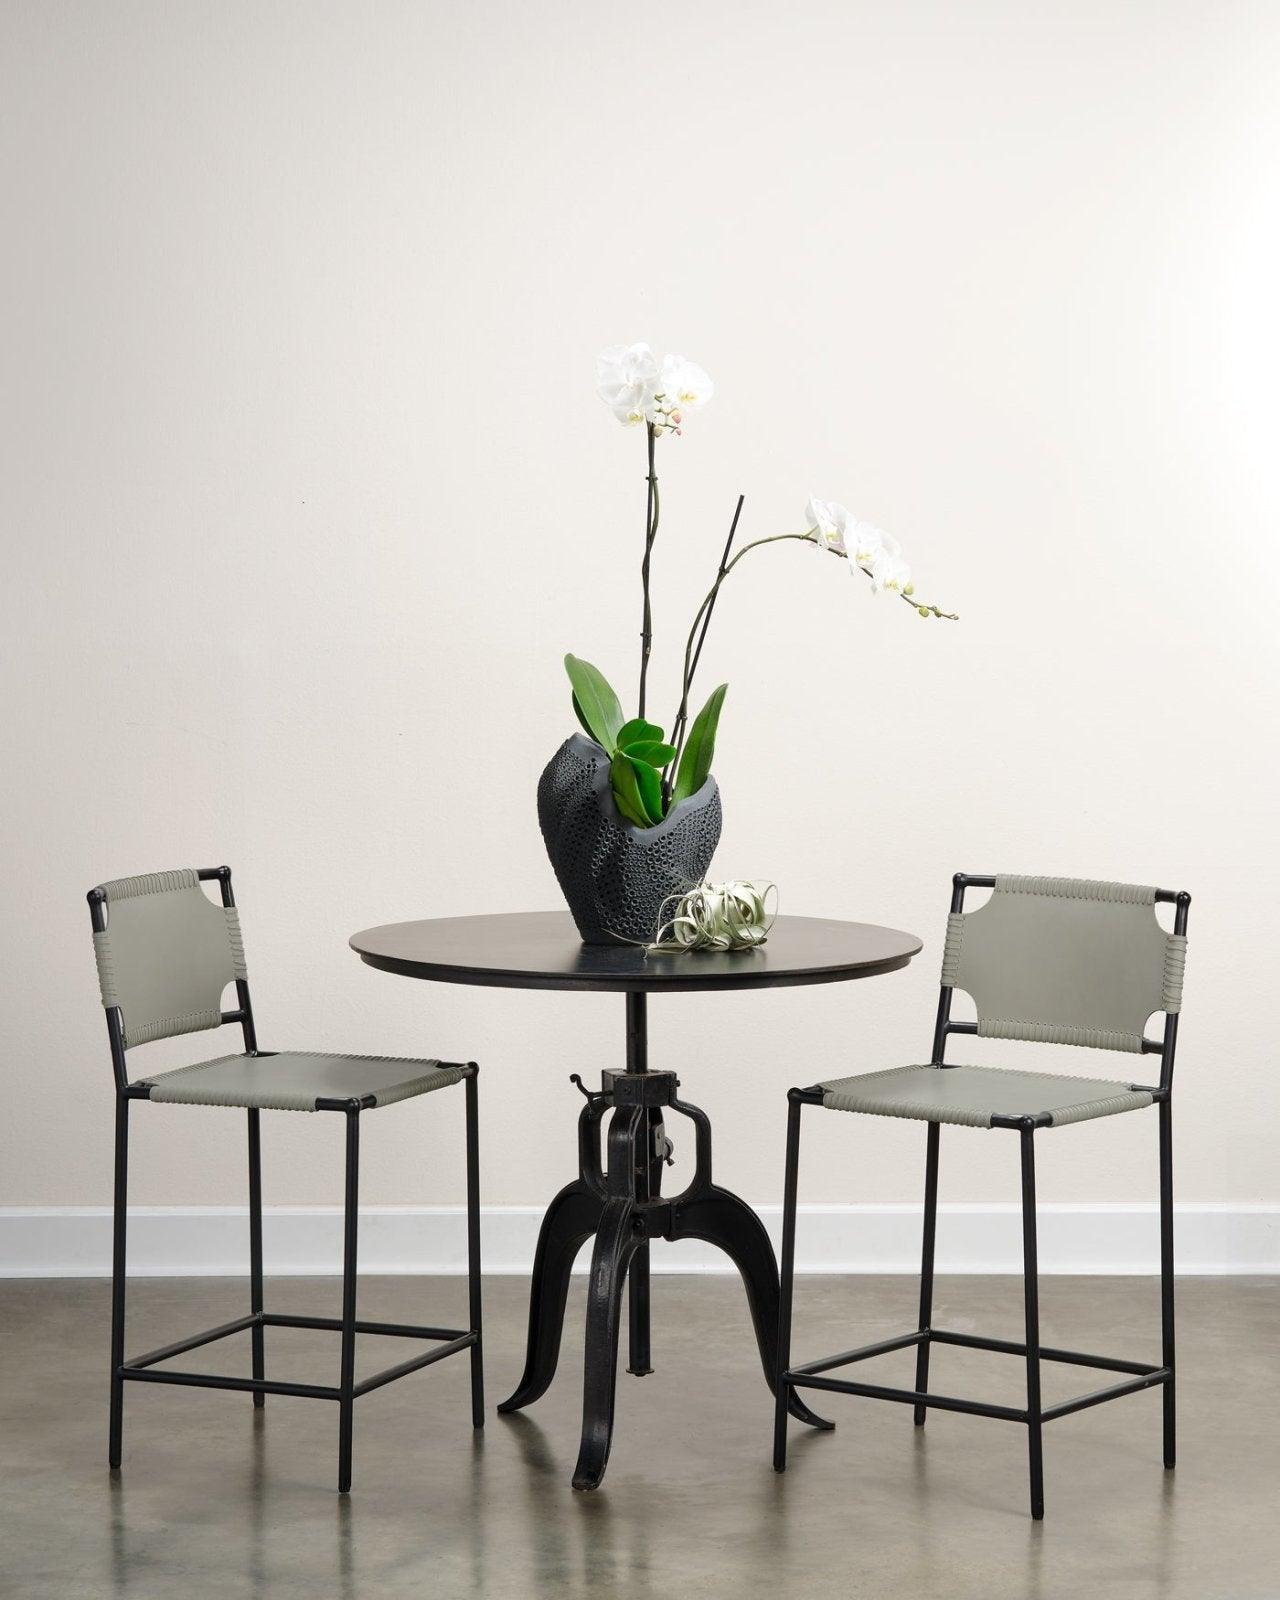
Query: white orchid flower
x=829 y=524
x=634 y=387
x=869 y=549
x=887 y=565
x=627 y=381
x=684 y=386
x=866 y=543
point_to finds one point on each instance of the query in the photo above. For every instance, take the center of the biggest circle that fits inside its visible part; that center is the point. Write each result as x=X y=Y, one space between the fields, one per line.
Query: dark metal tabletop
x=542 y=950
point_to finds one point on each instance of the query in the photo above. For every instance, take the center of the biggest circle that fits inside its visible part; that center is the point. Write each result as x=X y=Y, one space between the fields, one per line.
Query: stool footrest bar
x=389 y=1374
x=392 y=1330
x=214 y=1380
x=1010 y=1347
x=193 y=1342
x=862 y=1353
x=910 y=1397
x=1149 y=1380
x=809 y=1376
x=143 y=1367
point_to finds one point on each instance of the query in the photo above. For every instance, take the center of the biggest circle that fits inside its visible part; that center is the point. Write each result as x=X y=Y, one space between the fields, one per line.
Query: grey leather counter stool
x=1047 y=960
x=166 y=952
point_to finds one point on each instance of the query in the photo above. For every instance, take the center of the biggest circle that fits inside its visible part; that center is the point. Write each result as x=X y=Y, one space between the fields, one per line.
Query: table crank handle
x=592 y=1098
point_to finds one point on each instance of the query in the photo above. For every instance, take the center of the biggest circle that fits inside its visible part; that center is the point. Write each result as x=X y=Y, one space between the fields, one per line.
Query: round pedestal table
x=619 y=1200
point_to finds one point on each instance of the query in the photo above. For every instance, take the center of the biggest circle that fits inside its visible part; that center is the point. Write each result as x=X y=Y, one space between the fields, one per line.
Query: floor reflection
x=217 y=1502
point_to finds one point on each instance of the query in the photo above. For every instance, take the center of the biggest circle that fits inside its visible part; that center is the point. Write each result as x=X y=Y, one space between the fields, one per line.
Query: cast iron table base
x=623 y=1206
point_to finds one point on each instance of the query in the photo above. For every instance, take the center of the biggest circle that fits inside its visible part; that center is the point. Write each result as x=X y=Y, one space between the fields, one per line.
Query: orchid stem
x=693 y=648
x=682 y=716
x=650 y=534
x=724 y=562
x=704 y=611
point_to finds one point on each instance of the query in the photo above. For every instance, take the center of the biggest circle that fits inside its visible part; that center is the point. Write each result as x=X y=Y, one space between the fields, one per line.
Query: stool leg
x=787 y=1282
x=1031 y=1292
x=255 y=1249
x=473 y=1248
x=1166 y=1277
x=119 y=1219
x=346 y=1382
x=926 y=1264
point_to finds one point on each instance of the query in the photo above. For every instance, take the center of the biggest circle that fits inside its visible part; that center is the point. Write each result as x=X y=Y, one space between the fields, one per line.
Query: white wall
x=306 y=491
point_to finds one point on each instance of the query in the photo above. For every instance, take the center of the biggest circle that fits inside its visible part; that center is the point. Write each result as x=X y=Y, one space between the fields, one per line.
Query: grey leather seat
x=294 y=1080
x=972 y=1096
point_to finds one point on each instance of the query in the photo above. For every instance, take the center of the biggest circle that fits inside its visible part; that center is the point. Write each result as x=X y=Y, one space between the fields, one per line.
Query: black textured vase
x=614 y=875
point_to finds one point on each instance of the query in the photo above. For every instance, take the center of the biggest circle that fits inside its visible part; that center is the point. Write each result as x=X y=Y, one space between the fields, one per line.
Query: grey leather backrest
x=1065 y=961
x=166 y=955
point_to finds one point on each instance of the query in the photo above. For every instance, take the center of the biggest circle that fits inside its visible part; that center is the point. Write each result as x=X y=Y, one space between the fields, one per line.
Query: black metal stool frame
x=146 y=1368
x=1139 y=1375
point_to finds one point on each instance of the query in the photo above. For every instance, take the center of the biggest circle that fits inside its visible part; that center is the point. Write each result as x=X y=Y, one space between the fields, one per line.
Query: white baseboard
x=212 y=1241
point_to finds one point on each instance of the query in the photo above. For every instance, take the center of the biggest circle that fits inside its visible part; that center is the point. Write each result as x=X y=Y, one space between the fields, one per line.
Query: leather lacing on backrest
x=166 y=954
x=1065 y=961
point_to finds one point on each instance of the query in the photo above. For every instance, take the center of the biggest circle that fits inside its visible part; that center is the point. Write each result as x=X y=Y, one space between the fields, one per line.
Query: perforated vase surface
x=614 y=875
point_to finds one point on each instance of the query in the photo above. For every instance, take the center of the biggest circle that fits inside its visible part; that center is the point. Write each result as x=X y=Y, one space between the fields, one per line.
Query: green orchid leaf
x=700 y=748
x=586 y=727
x=650 y=782
x=628 y=778
x=652 y=751
x=597 y=705
x=636 y=731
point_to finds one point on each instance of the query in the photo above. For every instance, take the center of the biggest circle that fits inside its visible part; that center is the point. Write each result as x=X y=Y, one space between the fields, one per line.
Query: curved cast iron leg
x=732 y=1226
x=616 y=1243
x=572 y=1217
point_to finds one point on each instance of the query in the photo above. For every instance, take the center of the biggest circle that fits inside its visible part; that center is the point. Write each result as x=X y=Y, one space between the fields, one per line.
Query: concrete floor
x=216 y=1500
